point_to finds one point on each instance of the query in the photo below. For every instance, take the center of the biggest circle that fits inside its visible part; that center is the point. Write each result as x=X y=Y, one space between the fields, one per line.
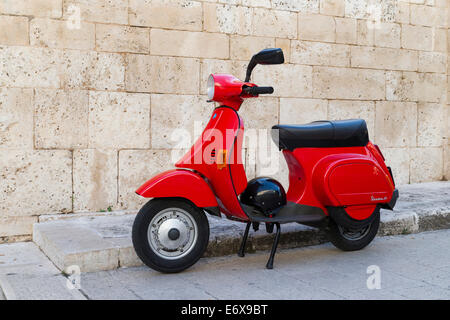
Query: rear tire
x=352 y=240
x=170 y=235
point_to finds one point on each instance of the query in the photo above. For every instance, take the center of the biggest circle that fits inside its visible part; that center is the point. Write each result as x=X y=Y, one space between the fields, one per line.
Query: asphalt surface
x=415 y=266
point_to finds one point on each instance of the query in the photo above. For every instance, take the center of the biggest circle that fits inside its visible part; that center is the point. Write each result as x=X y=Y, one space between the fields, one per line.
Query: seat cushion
x=321 y=134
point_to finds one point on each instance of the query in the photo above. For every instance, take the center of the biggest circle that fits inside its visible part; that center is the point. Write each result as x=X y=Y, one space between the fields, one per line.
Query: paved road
x=415 y=266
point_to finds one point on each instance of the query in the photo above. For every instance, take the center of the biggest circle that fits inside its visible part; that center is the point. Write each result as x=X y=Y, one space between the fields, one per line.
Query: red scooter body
x=332 y=177
x=337 y=178
x=353 y=177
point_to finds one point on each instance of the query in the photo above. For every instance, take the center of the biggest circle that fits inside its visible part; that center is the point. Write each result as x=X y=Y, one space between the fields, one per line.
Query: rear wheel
x=353 y=239
x=170 y=235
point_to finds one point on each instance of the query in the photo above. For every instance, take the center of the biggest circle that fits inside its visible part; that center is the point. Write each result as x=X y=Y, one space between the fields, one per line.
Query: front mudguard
x=179 y=183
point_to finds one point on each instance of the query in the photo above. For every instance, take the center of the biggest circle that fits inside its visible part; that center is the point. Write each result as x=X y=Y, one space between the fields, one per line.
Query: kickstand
x=241 y=251
x=269 y=264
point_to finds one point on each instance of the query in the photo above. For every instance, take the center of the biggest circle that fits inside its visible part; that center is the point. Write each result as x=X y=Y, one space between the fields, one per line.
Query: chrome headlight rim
x=210 y=85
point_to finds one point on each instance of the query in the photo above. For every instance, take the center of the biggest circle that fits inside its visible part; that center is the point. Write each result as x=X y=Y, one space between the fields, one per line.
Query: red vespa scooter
x=337 y=180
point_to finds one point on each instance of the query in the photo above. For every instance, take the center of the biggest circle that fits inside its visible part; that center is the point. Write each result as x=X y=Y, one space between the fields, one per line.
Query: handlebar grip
x=258 y=90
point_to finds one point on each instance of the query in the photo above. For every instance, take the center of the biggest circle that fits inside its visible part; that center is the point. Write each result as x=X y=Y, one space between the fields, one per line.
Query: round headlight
x=210 y=87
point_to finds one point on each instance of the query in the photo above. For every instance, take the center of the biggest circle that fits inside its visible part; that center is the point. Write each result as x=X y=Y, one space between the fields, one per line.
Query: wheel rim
x=172 y=233
x=354 y=235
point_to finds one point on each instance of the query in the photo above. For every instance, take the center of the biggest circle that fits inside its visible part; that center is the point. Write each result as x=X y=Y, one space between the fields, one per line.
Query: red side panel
x=179 y=183
x=359 y=182
x=350 y=176
x=307 y=168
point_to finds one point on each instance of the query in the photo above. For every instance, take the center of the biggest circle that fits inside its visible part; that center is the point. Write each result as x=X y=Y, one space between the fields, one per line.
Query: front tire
x=170 y=235
x=352 y=240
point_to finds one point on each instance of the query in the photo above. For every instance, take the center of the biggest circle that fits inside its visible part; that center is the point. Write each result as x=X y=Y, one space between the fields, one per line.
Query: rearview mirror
x=269 y=56
x=266 y=56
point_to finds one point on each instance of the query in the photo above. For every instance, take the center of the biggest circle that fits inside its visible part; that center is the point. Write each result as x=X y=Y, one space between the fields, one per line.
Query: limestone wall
x=91 y=90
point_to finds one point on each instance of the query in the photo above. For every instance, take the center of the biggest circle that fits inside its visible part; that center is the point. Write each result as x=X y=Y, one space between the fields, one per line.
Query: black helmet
x=265 y=194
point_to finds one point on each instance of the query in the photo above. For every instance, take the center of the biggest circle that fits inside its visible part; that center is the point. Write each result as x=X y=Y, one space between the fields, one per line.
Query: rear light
x=379 y=151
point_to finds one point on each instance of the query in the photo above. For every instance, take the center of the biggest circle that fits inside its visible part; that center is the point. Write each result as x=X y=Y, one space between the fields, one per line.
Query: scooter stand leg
x=241 y=251
x=269 y=264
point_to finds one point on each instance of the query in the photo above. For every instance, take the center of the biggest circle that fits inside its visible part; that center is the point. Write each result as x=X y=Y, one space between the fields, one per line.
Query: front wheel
x=170 y=235
x=353 y=239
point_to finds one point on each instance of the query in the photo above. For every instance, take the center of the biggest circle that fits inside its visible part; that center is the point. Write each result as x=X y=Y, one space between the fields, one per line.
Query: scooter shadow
x=305 y=258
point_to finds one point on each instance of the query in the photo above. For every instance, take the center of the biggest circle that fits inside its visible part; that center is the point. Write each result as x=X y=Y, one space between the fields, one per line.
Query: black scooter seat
x=321 y=134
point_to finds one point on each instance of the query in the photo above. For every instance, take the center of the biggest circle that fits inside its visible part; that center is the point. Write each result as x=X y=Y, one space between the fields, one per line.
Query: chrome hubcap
x=172 y=233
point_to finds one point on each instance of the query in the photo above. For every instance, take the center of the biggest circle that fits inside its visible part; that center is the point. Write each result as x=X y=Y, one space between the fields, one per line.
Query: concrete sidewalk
x=102 y=242
x=411 y=267
x=415 y=266
x=26 y=273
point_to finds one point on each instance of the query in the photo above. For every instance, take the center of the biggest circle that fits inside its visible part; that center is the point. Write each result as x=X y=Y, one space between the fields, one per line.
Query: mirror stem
x=250 y=67
x=247 y=77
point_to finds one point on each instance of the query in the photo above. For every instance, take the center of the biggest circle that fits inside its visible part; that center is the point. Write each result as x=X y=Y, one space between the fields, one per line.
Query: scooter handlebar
x=254 y=91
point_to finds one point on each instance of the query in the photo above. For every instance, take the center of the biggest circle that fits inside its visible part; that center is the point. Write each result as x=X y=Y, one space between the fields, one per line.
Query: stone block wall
x=92 y=91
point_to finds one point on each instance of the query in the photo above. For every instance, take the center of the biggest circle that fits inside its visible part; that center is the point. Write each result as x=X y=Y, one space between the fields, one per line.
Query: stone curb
x=102 y=242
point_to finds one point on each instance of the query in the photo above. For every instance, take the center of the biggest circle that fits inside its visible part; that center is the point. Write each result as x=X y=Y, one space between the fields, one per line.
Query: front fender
x=179 y=183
